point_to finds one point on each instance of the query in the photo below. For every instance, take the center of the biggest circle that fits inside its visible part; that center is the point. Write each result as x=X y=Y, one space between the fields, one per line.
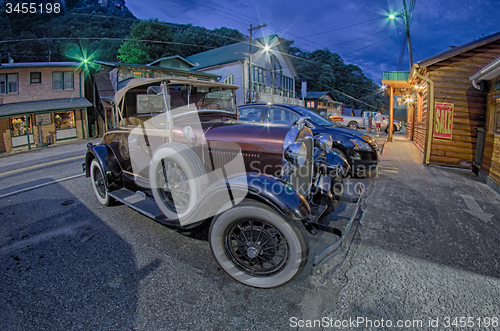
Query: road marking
x=475 y=209
x=40 y=185
x=41 y=165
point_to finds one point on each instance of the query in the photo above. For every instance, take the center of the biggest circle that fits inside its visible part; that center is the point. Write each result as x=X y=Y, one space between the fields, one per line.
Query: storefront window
x=18 y=126
x=65 y=120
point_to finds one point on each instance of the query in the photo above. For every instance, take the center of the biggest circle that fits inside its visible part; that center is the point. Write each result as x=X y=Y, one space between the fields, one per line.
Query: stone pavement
x=429 y=245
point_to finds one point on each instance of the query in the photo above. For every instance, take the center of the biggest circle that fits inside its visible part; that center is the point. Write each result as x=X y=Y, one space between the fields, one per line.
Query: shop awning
x=32 y=107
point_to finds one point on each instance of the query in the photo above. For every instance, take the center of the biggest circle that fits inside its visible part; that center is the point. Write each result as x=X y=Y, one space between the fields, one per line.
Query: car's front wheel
x=256 y=246
x=353 y=125
x=99 y=183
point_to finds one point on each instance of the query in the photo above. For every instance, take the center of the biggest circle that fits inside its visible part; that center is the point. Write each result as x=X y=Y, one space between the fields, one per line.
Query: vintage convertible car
x=181 y=157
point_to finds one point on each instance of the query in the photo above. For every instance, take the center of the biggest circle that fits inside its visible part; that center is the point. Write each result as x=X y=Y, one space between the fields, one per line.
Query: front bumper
x=364 y=161
x=345 y=236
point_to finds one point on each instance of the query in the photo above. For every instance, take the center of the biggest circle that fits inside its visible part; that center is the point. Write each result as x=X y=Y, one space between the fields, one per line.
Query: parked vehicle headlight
x=296 y=153
x=360 y=145
x=324 y=143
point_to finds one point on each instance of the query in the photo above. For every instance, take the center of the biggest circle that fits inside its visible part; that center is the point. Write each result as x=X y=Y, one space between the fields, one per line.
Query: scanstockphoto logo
x=179 y=181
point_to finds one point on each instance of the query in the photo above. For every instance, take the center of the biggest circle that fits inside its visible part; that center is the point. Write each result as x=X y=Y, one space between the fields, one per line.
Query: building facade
x=445 y=109
x=487 y=157
x=41 y=103
x=323 y=103
x=270 y=77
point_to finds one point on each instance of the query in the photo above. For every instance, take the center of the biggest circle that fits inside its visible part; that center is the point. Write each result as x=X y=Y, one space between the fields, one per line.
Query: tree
x=326 y=71
x=148 y=41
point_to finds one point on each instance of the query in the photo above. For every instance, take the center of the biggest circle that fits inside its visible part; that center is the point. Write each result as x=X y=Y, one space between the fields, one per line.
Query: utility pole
x=250 y=60
x=407 y=32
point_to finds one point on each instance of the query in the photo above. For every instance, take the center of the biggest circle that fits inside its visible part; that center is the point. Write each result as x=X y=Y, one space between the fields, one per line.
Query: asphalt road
x=69 y=263
x=66 y=262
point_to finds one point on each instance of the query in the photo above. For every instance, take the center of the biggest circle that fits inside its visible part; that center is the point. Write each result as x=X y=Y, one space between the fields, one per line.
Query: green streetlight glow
x=392 y=16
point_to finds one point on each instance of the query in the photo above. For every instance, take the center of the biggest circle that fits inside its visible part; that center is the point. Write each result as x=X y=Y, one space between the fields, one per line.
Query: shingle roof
x=222 y=55
x=171 y=57
x=31 y=107
x=313 y=95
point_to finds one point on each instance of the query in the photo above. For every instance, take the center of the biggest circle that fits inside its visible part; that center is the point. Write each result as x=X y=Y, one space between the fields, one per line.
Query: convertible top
x=170 y=81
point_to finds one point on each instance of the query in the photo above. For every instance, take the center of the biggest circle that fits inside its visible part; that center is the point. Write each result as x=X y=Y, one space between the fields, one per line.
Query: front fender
x=275 y=193
x=335 y=160
x=108 y=162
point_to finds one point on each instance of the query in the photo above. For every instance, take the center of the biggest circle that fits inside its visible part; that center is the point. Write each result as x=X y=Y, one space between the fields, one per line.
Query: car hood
x=250 y=137
x=347 y=133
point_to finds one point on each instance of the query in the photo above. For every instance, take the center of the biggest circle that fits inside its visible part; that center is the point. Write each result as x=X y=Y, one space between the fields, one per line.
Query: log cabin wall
x=409 y=122
x=452 y=85
x=420 y=128
x=490 y=165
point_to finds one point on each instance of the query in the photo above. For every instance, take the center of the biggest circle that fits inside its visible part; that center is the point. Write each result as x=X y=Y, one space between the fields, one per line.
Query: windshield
x=184 y=98
x=315 y=118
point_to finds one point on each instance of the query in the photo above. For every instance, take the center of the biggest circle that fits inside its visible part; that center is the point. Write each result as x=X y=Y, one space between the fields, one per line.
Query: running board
x=141 y=203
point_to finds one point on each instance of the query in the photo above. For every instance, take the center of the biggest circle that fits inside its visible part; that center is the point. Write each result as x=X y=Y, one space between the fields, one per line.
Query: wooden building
x=322 y=102
x=487 y=158
x=445 y=110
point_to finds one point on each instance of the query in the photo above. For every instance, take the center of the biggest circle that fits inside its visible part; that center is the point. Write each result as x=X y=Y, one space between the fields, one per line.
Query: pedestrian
x=378 y=122
x=370 y=122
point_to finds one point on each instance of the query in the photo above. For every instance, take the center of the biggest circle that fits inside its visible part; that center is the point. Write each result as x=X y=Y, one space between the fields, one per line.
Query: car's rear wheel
x=99 y=184
x=256 y=246
x=353 y=125
x=177 y=179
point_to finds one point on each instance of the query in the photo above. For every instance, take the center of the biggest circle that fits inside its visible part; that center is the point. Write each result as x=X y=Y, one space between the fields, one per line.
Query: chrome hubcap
x=252 y=252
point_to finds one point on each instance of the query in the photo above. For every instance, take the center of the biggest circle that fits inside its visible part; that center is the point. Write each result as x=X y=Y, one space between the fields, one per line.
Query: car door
x=251 y=114
x=280 y=115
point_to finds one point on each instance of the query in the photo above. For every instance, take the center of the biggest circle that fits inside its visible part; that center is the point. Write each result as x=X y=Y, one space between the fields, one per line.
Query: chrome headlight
x=296 y=153
x=360 y=145
x=324 y=143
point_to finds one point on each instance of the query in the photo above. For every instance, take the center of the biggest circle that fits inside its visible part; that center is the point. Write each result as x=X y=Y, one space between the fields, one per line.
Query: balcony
x=263 y=97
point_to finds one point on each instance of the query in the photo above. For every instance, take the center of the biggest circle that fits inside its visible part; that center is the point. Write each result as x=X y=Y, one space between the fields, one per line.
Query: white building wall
x=225 y=71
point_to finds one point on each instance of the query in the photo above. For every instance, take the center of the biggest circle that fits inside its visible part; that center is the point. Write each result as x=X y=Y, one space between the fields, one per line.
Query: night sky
x=374 y=44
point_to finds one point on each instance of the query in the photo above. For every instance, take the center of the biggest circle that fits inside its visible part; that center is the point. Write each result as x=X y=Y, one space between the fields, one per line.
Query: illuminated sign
x=443 y=121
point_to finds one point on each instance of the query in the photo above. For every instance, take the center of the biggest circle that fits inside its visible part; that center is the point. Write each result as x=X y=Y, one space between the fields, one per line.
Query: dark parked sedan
x=360 y=150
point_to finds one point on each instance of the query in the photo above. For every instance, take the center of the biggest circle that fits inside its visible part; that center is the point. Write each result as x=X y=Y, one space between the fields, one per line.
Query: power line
x=365 y=36
x=183 y=26
x=102 y=38
x=344 y=27
x=378 y=42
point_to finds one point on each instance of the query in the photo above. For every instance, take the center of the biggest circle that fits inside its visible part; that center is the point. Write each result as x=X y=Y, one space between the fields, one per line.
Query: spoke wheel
x=178 y=179
x=174 y=188
x=256 y=246
x=99 y=183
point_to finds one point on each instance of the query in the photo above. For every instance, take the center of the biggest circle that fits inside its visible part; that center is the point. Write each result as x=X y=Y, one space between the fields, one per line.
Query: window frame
x=63 y=80
x=39 y=78
x=7 y=85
